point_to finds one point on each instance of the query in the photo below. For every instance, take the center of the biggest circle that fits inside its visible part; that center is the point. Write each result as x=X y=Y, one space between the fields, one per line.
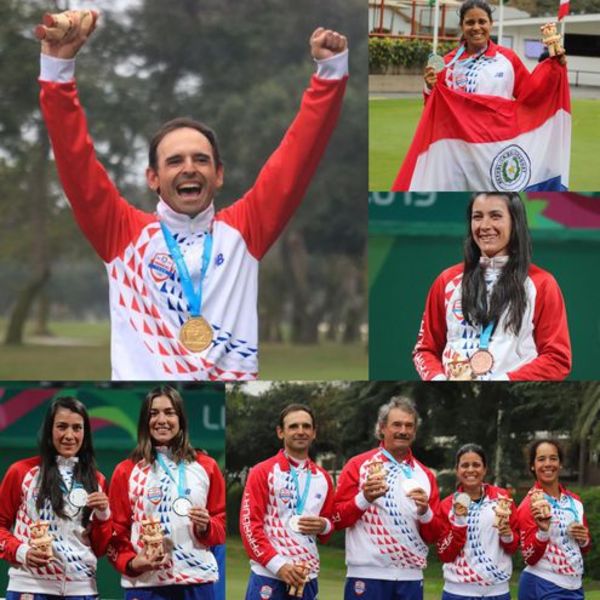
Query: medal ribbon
x=300 y=497
x=460 y=52
x=406 y=469
x=556 y=504
x=181 y=484
x=194 y=298
x=485 y=336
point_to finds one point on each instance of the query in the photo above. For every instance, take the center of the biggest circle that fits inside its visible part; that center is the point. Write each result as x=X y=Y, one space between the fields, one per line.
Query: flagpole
x=501 y=23
x=436 y=25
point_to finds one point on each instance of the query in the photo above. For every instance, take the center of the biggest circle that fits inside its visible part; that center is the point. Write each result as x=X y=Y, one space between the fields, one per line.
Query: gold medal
x=196 y=334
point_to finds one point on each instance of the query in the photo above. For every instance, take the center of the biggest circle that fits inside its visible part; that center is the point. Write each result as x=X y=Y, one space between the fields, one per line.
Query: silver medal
x=181 y=506
x=78 y=497
x=295 y=523
x=437 y=62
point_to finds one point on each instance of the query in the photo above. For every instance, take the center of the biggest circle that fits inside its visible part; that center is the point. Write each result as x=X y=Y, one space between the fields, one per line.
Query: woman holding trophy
x=54 y=515
x=168 y=502
x=480 y=533
x=474 y=66
x=496 y=316
x=554 y=531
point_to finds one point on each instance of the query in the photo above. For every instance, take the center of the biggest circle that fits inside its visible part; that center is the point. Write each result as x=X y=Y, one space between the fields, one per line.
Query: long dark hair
x=180 y=446
x=509 y=291
x=84 y=471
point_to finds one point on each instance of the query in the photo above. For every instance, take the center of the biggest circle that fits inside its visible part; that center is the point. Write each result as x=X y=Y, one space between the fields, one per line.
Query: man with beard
x=388 y=502
x=183 y=282
x=286 y=507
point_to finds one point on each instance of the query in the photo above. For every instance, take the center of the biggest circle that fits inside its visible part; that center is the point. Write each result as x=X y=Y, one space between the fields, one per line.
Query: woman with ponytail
x=495 y=316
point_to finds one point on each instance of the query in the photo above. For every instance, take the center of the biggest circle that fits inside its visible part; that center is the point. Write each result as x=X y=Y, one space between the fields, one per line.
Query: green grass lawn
x=87 y=358
x=392 y=124
x=333 y=572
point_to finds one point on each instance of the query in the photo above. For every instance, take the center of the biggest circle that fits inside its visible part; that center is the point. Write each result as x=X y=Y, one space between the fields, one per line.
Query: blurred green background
x=114 y=410
x=413 y=237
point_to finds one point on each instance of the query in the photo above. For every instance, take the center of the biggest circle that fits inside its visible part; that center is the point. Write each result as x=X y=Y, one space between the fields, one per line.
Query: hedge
x=387 y=55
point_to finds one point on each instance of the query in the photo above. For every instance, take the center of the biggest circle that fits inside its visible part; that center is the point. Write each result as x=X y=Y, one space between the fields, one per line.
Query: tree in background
x=240 y=67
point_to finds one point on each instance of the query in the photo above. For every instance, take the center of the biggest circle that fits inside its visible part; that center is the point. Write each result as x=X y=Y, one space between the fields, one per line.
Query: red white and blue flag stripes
x=477 y=142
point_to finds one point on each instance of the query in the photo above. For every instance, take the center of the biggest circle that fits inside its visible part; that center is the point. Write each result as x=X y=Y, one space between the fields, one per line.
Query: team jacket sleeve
x=522 y=75
x=262 y=213
x=427 y=354
x=254 y=507
x=327 y=510
x=10 y=492
x=101 y=528
x=453 y=534
x=215 y=504
x=551 y=334
x=533 y=542
x=349 y=503
x=104 y=217
x=120 y=550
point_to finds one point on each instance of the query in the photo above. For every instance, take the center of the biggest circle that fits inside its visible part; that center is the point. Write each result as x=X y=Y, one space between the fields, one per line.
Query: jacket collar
x=181 y=223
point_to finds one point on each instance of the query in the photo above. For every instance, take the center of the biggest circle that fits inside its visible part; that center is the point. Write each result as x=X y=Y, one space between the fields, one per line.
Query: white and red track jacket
x=386 y=539
x=541 y=351
x=497 y=72
x=75 y=548
x=147 y=302
x=476 y=558
x=139 y=491
x=554 y=556
x=269 y=501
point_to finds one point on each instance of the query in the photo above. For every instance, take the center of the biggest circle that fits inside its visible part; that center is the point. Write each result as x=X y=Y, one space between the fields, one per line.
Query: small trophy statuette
x=153 y=539
x=502 y=511
x=552 y=39
x=537 y=499
x=298 y=591
x=40 y=539
x=59 y=27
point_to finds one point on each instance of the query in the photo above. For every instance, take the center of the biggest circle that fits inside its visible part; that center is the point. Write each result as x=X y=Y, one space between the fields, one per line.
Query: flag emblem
x=511 y=169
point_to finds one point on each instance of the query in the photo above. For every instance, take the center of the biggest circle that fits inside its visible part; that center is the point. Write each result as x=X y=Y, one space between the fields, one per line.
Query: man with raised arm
x=184 y=280
x=286 y=508
x=388 y=502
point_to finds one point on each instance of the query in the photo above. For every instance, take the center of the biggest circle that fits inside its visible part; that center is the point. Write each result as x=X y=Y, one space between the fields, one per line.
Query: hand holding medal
x=460 y=504
x=199 y=517
x=308 y=525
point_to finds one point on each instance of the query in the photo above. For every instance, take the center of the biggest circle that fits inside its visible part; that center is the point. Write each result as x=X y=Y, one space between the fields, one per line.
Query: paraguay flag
x=563 y=9
x=468 y=142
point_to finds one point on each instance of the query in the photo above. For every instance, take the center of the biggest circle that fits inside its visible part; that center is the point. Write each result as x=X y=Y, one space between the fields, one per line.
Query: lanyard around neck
x=193 y=297
x=406 y=469
x=181 y=487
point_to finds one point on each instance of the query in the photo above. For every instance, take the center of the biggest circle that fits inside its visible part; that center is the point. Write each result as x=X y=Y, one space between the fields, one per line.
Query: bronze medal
x=481 y=362
x=196 y=334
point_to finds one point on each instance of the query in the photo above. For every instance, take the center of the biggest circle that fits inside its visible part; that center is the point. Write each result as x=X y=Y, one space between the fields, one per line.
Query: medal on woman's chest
x=196 y=334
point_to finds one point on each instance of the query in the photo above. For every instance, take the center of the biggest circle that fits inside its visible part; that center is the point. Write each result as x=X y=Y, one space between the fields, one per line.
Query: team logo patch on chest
x=266 y=591
x=154 y=494
x=286 y=495
x=457 y=309
x=162 y=267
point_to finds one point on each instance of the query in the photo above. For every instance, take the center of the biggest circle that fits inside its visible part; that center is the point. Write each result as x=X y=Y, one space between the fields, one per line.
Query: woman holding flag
x=554 y=531
x=54 y=515
x=168 y=502
x=478 y=65
x=495 y=316
x=505 y=128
